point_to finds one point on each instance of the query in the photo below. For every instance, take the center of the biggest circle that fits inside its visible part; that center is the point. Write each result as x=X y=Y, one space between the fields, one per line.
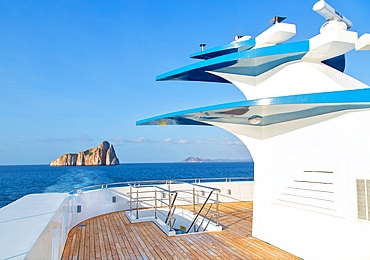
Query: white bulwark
x=33 y=227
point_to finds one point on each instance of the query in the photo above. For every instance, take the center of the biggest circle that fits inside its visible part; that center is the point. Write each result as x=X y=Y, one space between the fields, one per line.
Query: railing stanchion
x=130 y=198
x=217 y=213
x=170 y=208
x=155 y=203
x=137 y=202
x=193 y=199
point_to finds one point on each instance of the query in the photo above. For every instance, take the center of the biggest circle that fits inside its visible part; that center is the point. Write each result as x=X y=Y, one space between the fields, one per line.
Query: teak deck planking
x=112 y=236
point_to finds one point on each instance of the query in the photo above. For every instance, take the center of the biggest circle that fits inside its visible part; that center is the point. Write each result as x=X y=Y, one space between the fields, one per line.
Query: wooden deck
x=112 y=236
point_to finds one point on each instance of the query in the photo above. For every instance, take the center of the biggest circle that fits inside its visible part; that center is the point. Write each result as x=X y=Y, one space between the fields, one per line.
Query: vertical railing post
x=170 y=208
x=155 y=203
x=130 y=198
x=137 y=203
x=217 y=214
x=193 y=199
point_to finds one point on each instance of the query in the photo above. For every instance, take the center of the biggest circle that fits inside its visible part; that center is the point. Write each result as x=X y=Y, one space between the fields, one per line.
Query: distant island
x=197 y=159
x=103 y=154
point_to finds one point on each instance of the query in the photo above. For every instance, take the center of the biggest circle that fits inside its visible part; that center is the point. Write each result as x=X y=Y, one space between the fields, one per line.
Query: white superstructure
x=306 y=125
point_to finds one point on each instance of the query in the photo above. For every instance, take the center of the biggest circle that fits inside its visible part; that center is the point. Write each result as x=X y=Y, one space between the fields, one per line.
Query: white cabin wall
x=311 y=232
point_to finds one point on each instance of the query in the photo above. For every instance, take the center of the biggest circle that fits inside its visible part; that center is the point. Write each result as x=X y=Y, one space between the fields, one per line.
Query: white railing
x=158 y=182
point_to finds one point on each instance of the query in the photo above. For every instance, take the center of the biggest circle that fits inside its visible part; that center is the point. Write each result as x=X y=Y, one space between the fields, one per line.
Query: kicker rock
x=104 y=154
x=111 y=158
x=65 y=160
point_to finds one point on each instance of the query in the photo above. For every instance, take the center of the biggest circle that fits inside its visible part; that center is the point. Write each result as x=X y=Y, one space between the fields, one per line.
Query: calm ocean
x=18 y=181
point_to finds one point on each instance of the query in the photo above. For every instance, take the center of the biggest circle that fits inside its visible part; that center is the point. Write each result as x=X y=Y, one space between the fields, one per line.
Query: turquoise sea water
x=18 y=181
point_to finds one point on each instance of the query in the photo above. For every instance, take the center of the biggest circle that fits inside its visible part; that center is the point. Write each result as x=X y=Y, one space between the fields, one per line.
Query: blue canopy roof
x=289 y=108
x=252 y=62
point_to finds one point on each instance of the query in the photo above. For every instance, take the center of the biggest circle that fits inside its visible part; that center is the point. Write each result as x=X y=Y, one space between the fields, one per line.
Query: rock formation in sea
x=103 y=154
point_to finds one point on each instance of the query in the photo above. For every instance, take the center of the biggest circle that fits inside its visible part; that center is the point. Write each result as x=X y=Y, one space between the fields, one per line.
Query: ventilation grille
x=312 y=190
x=363 y=199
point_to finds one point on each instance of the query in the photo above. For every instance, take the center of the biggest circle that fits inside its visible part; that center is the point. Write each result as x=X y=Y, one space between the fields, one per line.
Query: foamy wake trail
x=77 y=178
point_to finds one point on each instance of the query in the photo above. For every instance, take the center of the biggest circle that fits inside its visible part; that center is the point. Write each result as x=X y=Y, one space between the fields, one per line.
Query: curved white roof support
x=298 y=77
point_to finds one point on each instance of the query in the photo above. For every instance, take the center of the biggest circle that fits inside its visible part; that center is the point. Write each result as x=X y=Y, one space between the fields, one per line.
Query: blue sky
x=75 y=73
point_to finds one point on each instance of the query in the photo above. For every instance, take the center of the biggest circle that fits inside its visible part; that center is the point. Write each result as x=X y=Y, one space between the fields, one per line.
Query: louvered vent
x=363 y=199
x=312 y=190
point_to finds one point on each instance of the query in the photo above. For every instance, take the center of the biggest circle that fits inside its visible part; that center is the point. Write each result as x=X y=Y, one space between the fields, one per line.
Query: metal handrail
x=205 y=216
x=209 y=220
x=137 y=191
x=206 y=187
x=170 y=203
x=142 y=200
x=170 y=207
x=156 y=182
x=196 y=217
x=202 y=207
